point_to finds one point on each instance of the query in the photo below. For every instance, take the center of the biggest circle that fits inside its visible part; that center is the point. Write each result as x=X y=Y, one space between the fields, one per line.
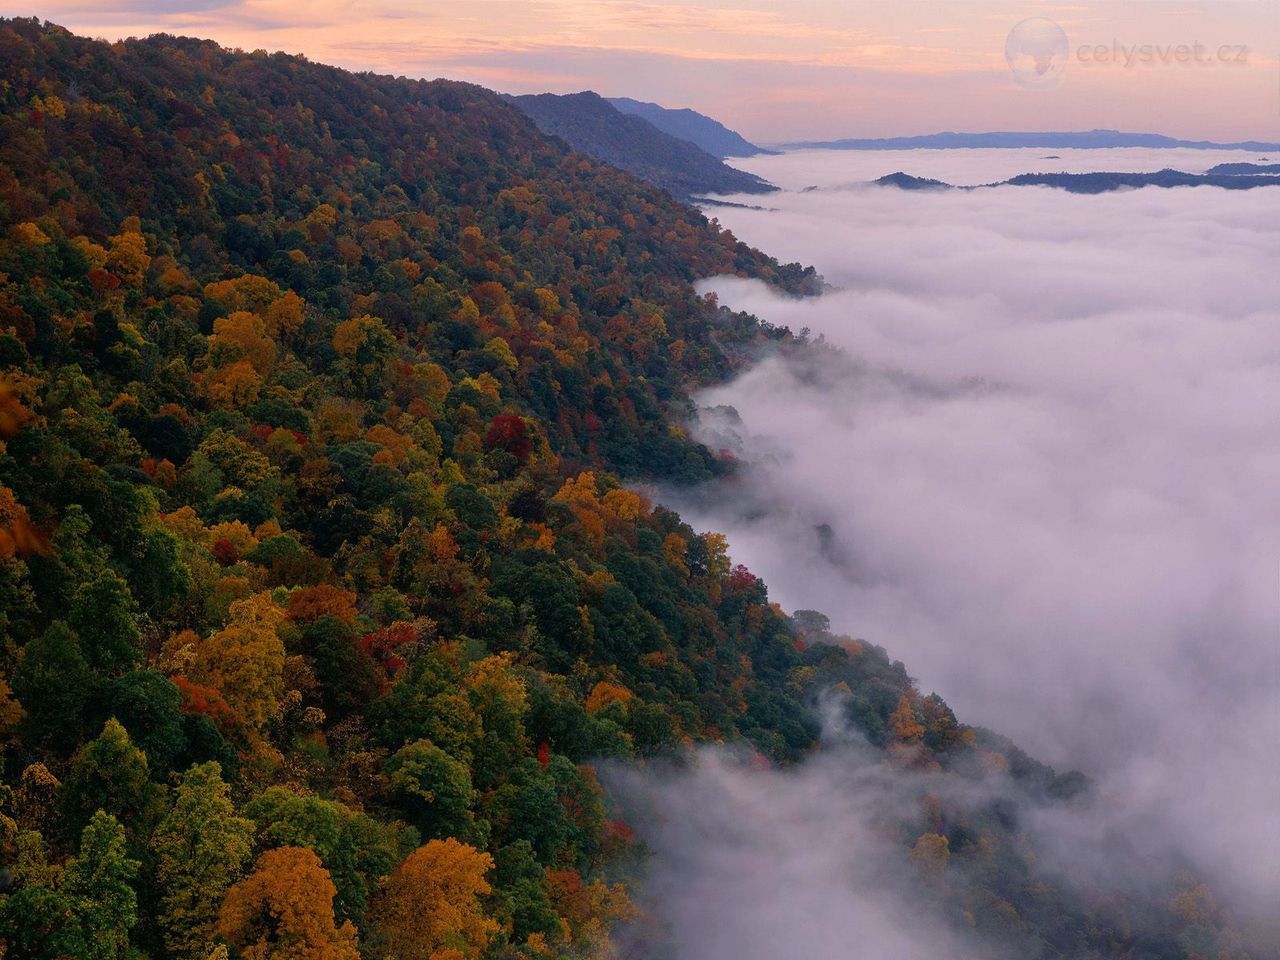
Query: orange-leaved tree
x=284 y=911
x=429 y=907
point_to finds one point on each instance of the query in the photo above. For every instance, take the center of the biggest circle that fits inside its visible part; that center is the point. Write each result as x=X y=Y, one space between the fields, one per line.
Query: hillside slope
x=699 y=129
x=587 y=122
x=319 y=589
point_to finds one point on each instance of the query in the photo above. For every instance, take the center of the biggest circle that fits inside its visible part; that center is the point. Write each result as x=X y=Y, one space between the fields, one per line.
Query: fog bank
x=753 y=864
x=1043 y=469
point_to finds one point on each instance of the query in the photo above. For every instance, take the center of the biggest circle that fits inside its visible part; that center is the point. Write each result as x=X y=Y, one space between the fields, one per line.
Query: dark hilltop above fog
x=906 y=181
x=1101 y=182
x=1238 y=169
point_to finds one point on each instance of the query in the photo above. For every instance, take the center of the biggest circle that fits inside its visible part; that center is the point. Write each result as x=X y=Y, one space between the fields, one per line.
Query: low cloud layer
x=752 y=864
x=1043 y=469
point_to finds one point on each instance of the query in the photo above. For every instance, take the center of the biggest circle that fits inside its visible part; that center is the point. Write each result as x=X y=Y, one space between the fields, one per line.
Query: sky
x=783 y=71
x=1040 y=469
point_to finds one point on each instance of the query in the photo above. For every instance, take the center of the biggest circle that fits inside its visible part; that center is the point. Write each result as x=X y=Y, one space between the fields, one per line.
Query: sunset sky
x=778 y=71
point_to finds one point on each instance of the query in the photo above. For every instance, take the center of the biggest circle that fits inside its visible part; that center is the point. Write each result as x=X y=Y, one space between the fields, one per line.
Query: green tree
x=98 y=885
x=147 y=704
x=108 y=774
x=433 y=789
x=105 y=618
x=200 y=848
x=348 y=676
x=429 y=702
x=36 y=924
x=529 y=808
x=37 y=920
x=500 y=700
x=521 y=895
x=52 y=682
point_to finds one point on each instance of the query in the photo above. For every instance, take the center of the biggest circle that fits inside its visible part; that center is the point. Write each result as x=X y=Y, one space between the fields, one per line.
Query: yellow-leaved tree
x=244 y=661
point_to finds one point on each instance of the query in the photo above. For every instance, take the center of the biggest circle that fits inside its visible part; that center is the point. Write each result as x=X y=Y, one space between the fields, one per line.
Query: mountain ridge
x=589 y=123
x=1091 y=139
x=688 y=124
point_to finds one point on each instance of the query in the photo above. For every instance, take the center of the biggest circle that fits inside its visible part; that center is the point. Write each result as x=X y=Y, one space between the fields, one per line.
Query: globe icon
x=1036 y=50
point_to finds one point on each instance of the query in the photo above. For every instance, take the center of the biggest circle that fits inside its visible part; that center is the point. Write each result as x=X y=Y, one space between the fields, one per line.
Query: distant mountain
x=590 y=124
x=1086 y=140
x=1097 y=182
x=699 y=129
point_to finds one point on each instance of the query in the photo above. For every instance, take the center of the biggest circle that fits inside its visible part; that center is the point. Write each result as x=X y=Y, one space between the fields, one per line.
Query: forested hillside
x=320 y=590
